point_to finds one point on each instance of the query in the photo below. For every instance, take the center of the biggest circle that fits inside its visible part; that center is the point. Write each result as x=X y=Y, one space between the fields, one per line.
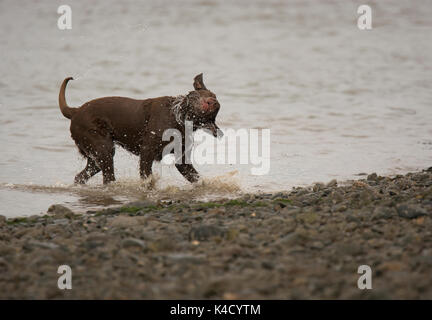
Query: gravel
x=304 y=243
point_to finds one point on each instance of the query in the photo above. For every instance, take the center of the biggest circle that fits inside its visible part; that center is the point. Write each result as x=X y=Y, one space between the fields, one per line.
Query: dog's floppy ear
x=198 y=82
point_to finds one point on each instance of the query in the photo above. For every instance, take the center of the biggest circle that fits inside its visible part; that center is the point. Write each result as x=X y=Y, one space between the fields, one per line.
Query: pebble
x=2 y=220
x=126 y=221
x=333 y=183
x=206 y=232
x=410 y=211
x=185 y=258
x=383 y=213
x=59 y=210
x=42 y=245
x=133 y=242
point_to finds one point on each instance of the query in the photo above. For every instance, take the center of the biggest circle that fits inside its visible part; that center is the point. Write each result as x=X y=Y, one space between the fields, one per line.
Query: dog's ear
x=198 y=83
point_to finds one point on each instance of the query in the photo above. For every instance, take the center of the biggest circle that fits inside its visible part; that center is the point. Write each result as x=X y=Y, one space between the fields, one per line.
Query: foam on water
x=92 y=197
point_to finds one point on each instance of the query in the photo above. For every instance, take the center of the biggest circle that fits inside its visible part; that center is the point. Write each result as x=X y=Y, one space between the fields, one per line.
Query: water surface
x=339 y=101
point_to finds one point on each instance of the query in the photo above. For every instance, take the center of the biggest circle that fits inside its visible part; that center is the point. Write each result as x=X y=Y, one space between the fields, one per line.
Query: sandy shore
x=305 y=243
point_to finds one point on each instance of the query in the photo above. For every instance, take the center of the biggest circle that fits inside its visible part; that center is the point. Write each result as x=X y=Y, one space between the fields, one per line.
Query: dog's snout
x=213 y=103
x=209 y=105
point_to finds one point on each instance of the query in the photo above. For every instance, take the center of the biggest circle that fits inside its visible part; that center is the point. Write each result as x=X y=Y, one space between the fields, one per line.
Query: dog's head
x=203 y=107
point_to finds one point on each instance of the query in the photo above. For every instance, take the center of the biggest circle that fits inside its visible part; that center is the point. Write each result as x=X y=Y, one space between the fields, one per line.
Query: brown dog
x=138 y=126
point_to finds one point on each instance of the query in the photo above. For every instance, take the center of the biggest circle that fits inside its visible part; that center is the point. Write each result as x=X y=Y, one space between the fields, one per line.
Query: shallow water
x=339 y=101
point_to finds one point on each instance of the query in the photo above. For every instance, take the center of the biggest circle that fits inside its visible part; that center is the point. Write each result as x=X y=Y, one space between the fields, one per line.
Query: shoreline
x=305 y=243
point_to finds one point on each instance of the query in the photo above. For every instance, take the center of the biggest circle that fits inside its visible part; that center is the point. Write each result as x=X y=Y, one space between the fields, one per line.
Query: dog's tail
x=67 y=111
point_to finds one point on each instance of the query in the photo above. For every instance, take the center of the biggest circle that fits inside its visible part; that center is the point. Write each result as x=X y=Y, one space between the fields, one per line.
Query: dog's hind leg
x=89 y=171
x=99 y=150
x=102 y=151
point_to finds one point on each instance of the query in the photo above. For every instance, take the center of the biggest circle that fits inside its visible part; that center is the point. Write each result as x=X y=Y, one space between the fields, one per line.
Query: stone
x=383 y=213
x=185 y=258
x=410 y=211
x=206 y=232
x=318 y=186
x=372 y=177
x=95 y=241
x=140 y=204
x=332 y=183
x=61 y=221
x=133 y=242
x=126 y=221
x=59 y=210
x=349 y=249
x=4 y=266
x=41 y=245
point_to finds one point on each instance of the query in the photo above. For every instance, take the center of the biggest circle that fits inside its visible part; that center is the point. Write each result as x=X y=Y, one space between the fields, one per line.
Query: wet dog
x=137 y=125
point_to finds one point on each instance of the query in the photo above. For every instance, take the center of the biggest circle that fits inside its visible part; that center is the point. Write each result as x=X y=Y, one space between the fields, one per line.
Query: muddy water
x=339 y=101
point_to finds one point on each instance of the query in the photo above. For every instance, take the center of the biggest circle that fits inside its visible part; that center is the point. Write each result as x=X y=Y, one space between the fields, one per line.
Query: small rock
x=267 y=265
x=61 y=221
x=352 y=218
x=4 y=265
x=42 y=245
x=372 y=177
x=318 y=186
x=6 y=250
x=318 y=245
x=162 y=244
x=2 y=220
x=185 y=258
x=383 y=213
x=308 y=217
x=410 y=211
x=95 y=240
x=126 y=221
x=133 y=242
x=278 y=195
x=274 y=222
x=59 y=210
x=392 y=192
x=392 y=266
x=332 y=183
x=349 y=249
x=290 y=210
x=140 y=204
x=294 y=238
x=341 y=207
x=206 y=232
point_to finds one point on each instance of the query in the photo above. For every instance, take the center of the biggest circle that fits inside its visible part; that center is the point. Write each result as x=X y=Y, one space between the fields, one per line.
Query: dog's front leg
x=188 y=171
x=185 y=167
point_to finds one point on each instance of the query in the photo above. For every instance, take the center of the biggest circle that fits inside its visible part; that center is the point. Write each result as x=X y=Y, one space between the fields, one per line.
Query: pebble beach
x=304 y=243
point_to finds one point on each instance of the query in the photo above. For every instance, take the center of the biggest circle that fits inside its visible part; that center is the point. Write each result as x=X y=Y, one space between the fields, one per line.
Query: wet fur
x=136 y=125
